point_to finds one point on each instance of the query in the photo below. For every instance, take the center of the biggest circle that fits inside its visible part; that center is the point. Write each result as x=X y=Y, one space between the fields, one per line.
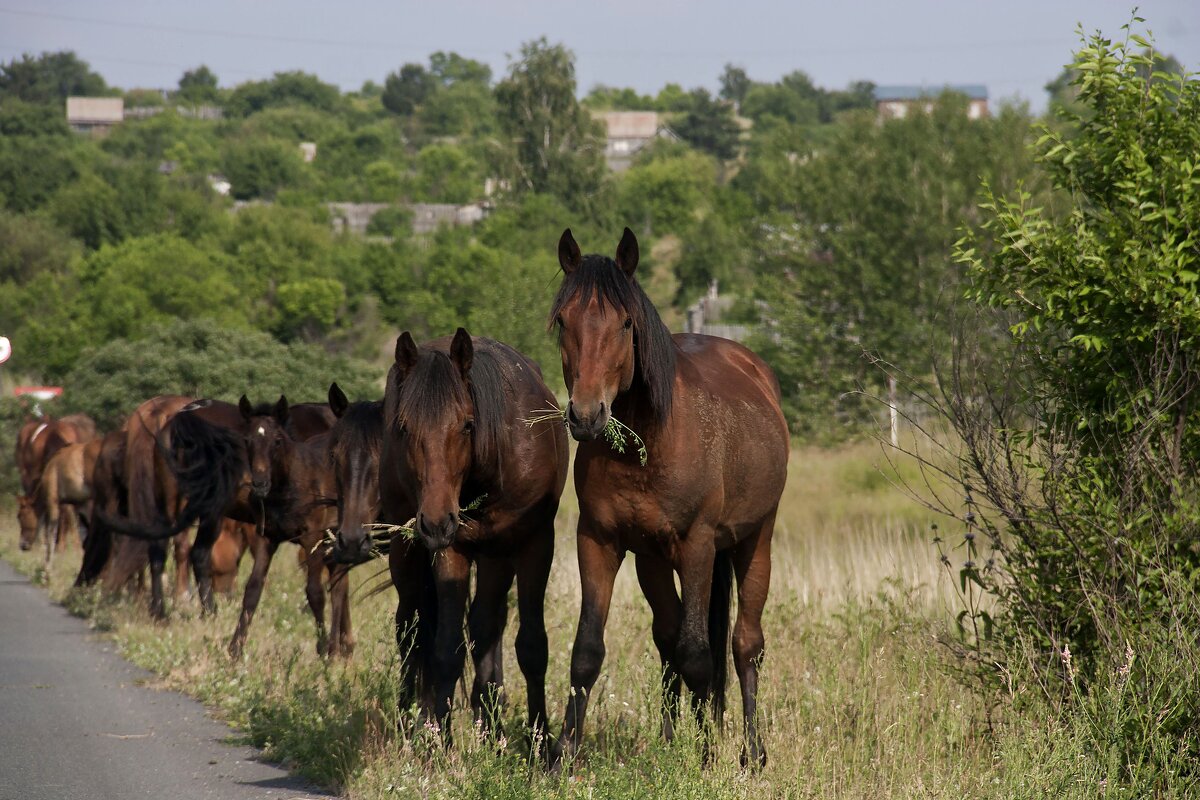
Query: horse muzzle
x=437 y=534
x=587 y=426
x=351 y=550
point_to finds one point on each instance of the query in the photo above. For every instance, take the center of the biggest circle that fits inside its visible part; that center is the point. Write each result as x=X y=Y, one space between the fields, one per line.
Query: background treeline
x=828 y=231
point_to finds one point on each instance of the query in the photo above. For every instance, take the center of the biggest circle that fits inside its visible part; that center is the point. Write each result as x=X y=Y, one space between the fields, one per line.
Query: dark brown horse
x=454 y=438
x=354 y=447
x=702 y=506
x=295 y=490
x=109 y=498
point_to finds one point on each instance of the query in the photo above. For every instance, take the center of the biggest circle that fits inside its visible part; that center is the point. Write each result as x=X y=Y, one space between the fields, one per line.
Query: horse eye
x=559 y=321
x=469 y=426
x=628 y=323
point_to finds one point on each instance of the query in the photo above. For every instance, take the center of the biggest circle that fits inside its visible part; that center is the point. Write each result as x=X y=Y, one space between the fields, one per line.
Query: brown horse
x=703 y=504
x=454 y=438
x=108 y=498
x=232 y=542
x=354 y=447
x=63 y=495
x=295 y=488
x=39 y=439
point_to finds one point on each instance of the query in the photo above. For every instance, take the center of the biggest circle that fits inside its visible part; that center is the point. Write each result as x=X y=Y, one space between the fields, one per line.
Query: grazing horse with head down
x=455 y=440
x=702 y=506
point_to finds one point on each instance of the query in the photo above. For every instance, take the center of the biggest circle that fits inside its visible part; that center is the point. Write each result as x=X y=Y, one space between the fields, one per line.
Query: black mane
x=654 y=350
x=359 y=430
x=434 y=384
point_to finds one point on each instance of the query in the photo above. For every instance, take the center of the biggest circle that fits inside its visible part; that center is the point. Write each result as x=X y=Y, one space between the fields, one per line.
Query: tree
x=49 y=77
x=708 y=125
x=451 y=68
x=198 y=85
x=205 y=359
x=258 y=168
x=285 y=88
x=666 y=195
x=734 y=84
x=559 y=148
x=860 y=242
x=1084 y=456
x=447 y=174
x=407 y=90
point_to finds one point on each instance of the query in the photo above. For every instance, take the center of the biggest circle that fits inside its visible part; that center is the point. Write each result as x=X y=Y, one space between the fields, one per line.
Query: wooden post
x=893 y=412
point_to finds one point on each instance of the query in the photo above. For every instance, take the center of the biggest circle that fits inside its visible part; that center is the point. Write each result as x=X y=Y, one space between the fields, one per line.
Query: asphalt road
x=75 y=721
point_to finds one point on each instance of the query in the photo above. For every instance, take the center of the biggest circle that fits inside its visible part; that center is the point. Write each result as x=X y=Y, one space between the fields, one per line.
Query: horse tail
x=718 y=629
x=206 y=462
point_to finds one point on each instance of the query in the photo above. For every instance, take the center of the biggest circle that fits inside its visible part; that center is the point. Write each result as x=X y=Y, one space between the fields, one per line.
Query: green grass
x=858 y=699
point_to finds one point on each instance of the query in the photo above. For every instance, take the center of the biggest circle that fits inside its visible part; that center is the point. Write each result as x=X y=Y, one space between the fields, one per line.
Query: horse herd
x=460 y=464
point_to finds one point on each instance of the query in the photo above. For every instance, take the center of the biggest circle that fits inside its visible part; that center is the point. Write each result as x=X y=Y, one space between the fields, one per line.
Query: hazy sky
x=1013 y=46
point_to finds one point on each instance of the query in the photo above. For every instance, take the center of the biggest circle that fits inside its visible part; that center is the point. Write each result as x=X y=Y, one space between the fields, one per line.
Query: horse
x=231 y=544
x=296 y=490
x=202 y=458
x=39 y=439
x=702 y=505
x=454 y=437
x=63 y=493
x=108 y=499
x=355 y=443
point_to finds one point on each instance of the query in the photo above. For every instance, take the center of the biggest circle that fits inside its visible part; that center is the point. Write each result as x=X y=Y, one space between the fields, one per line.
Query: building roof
x=974 y=91
x=95 y=110
x=630 y=124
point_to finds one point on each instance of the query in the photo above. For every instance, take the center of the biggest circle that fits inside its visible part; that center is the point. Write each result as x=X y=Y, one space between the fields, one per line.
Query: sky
x=1012 y=46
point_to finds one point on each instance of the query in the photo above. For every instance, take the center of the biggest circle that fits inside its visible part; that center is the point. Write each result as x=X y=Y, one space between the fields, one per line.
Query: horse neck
x=633 y=408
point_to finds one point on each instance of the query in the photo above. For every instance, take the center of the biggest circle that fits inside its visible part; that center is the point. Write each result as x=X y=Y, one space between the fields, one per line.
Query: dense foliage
x=791 y=197
x=1083 y=458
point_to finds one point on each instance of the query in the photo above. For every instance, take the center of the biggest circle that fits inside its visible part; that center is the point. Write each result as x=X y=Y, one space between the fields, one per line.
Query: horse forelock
x=424 y=397
x=359 y=432
x=654 y=351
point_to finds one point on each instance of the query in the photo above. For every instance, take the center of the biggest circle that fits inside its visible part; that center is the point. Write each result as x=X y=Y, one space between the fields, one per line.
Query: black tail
x=206 y=462
x=718 y=630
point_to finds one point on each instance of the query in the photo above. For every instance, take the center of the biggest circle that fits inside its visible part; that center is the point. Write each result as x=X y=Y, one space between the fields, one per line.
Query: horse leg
x=657 y=580
x=66 y=527
x=533 y=649
x=200 y=557
x=158 y=563
x=485 y=624
x=451 y=572
x=693 y=652
x=182 y=551
x=263 y=551
x=752 y=566
x=314 y=590
x=341 y=640
x=598 y=565
x=405 y=566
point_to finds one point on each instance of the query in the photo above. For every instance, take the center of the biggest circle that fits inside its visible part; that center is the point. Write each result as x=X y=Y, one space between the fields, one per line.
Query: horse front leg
x=200 y=556
x=599 y=561
x=485 y=624
x=263 y=550
x=314 y=590
x=341 y=638
x=451 y=570
x=693 y=649
x=533 y=648
x=657 y=579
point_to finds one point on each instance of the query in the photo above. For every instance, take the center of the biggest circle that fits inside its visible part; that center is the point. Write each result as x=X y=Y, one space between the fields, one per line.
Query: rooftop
x=974 y=91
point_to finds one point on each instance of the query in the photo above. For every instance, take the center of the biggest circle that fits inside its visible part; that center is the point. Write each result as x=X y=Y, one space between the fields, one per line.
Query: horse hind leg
x=657 y=579
x=752 y=567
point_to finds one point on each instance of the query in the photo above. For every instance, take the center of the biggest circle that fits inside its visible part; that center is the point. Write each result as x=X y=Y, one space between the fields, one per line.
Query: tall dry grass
x=856 y=697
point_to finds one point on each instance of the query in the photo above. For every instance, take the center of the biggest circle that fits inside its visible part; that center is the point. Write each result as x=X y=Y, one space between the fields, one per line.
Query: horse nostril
x=572 y=417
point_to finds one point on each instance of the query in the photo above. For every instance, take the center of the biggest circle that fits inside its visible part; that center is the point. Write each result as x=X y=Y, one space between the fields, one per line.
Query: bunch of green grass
x=616 y=433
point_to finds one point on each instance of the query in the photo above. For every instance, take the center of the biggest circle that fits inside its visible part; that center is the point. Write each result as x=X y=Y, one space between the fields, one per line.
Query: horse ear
x=338 y=402
x=245 y=407
x=280 y=411
x=462 y=351
x=569 y=257
x=627 y=253
x=406 y=353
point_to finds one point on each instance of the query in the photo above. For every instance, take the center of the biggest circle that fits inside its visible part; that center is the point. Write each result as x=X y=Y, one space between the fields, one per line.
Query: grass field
x=858 y=699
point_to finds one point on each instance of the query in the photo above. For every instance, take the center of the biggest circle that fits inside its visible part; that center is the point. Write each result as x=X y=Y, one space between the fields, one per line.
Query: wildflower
x=970 y=537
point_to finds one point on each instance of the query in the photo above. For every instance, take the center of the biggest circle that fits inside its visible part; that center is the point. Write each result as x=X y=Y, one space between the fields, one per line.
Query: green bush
x=199 y=358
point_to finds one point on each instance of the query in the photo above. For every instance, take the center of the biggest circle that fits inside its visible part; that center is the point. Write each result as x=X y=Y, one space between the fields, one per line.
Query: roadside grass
x=857 y=698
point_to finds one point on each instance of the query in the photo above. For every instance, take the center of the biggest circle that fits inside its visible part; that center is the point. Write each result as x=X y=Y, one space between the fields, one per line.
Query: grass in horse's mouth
x=616 y=433
x=382 y=532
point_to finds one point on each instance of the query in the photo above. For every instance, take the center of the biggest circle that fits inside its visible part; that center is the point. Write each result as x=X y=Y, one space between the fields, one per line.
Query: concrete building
x=628 y=132
x=894 y=102
x=94 y=114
